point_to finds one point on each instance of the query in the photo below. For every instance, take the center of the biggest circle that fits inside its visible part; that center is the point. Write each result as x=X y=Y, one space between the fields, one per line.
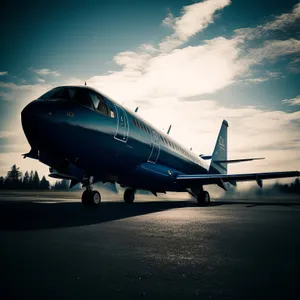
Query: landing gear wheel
x=129 y=196
x=85 y=197
x=95 y=198
x=91 y=198
x=206 y=198
x=203 y=198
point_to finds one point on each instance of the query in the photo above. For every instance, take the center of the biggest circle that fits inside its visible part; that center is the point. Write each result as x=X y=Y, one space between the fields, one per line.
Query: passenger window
x=112 y=113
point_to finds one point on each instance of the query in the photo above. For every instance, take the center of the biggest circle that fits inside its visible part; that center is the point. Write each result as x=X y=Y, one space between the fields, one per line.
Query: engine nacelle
x=148 y=175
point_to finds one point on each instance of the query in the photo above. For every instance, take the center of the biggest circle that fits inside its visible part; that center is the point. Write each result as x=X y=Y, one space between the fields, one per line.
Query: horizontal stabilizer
x=232 y=161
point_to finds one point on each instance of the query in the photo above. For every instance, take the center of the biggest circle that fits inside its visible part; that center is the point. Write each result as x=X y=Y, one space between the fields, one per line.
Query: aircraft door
x=155 y=147
x=122 y=126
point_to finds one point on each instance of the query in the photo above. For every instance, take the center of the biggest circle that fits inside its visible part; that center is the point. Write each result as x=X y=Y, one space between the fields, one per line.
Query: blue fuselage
x=120 y=147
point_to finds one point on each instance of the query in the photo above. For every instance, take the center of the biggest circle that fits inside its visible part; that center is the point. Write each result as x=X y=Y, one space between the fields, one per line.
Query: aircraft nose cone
x=32 y=122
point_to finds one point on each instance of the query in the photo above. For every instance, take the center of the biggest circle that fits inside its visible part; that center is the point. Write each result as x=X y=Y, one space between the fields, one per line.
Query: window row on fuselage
x=167 y=142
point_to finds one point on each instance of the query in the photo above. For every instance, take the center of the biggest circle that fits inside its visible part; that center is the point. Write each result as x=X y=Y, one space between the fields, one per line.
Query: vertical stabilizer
x=220 y=152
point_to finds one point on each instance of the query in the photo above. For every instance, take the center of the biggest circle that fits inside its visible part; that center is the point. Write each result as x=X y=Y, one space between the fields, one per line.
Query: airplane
x=87 y=137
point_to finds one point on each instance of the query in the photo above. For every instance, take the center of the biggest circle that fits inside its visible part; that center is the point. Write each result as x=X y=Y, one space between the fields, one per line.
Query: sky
x=186 y=63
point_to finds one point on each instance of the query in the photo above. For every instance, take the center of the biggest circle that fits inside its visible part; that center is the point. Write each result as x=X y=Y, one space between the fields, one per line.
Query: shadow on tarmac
x=25 y=215
x=250 y=204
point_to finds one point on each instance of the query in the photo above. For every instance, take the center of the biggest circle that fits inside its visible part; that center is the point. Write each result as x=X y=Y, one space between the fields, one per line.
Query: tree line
x=30 y=181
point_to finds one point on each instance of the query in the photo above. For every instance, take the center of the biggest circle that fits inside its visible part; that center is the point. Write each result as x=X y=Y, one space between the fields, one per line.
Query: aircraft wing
x=219 y=179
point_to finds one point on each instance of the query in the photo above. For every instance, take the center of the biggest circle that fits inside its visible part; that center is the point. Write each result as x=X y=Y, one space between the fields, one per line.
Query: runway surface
x=53 y=248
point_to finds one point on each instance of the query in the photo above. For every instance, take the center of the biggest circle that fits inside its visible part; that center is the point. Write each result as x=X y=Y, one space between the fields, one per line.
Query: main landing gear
x=203 y=198
x=129 y=195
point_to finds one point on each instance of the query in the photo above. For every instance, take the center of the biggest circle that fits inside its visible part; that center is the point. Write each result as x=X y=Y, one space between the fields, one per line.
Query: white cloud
x=294 y=65
x=147 y=48
x=278 y=23
x=193 y=70
x=271 y=50
x=3 y=73
x=21 y=93
x=257 y=79
x=292 y=101
x=5 y=134
x=40 y=80
x=284 y=20
x=180 y=73
x=194 y=18
x=73 y=81
x=169 y=20
x=132 y=60
x=44 y=72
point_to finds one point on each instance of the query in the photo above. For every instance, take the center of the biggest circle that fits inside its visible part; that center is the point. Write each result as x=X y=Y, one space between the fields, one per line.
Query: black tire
x=203 y=198
x=85 y=198
x=206 y=198
x=129 y=196
x=91 y=198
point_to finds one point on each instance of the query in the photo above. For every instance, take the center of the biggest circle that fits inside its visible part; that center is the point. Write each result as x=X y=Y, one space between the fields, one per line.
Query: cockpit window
x=69 y=93
x=56 y=93
x=81 y=97
x=95 y=99
x=72 y=93
x=99 y=103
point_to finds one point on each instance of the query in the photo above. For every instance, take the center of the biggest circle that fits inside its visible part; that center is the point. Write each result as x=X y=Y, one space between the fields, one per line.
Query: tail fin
x=220 y=152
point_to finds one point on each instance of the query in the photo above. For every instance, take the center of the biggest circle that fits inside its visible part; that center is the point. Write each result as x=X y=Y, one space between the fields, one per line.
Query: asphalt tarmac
x=53 y=248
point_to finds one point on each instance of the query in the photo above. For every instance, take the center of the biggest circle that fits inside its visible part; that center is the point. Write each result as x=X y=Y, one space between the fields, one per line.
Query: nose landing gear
x=90 y=197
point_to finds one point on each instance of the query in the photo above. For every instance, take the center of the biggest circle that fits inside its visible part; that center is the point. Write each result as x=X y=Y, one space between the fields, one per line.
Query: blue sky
x=216 y=59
